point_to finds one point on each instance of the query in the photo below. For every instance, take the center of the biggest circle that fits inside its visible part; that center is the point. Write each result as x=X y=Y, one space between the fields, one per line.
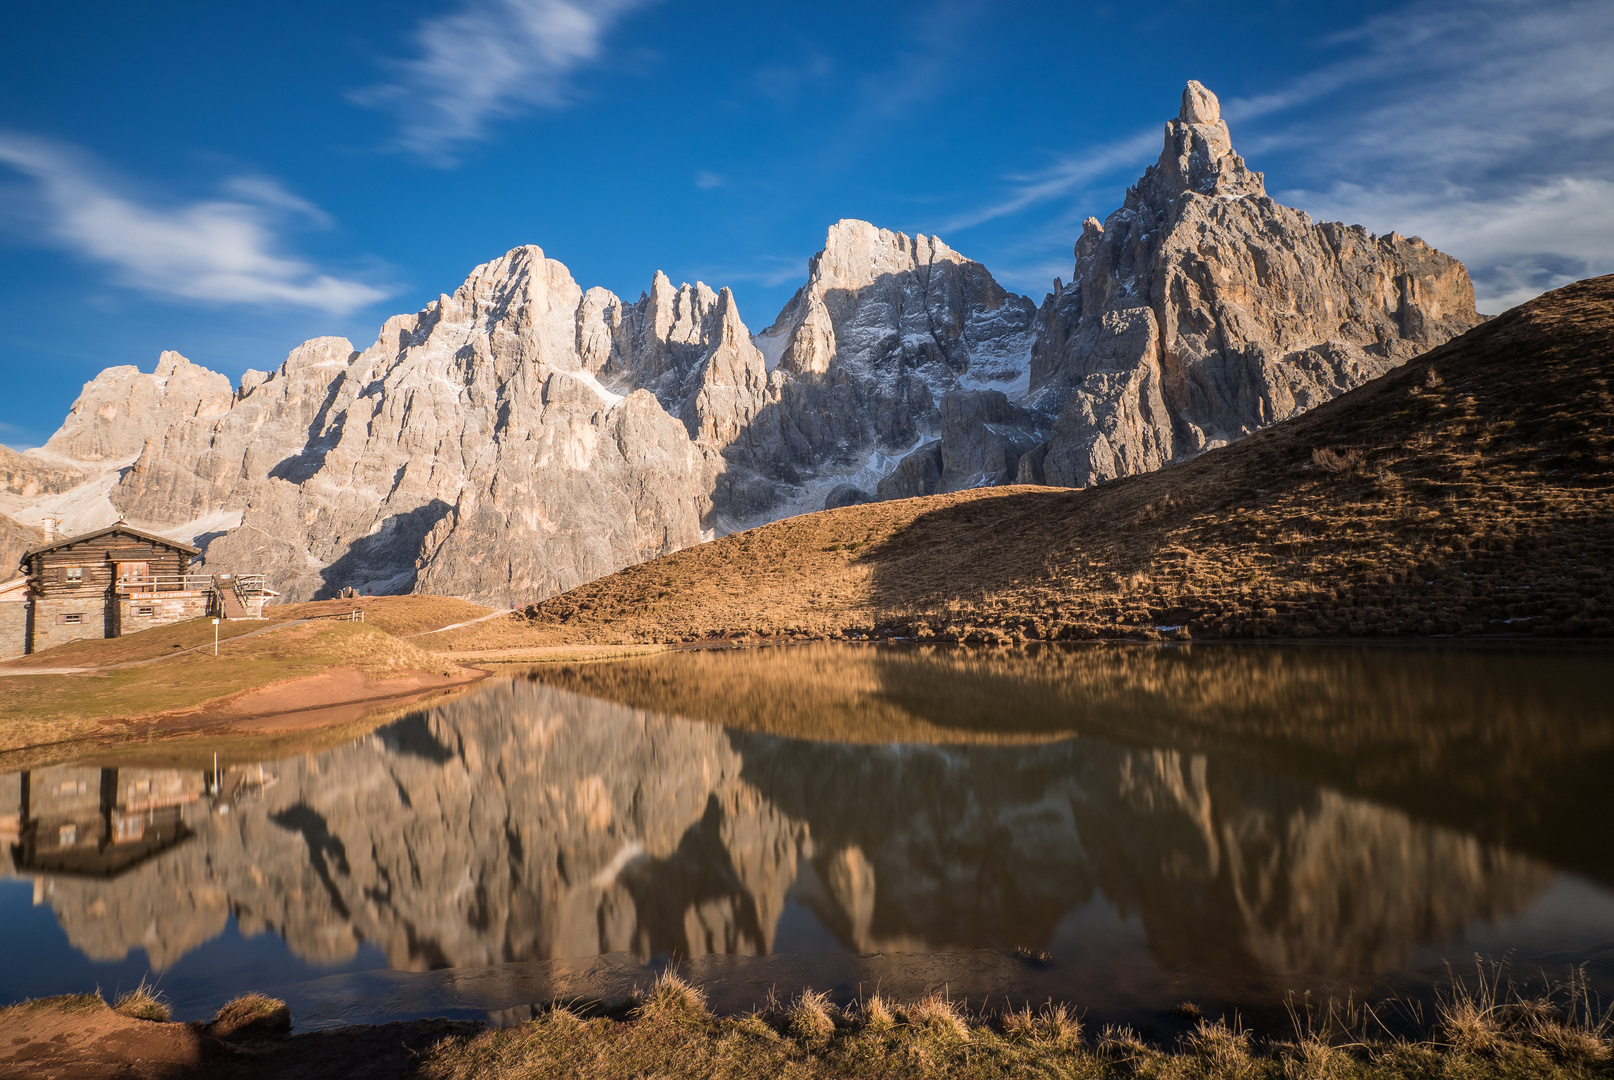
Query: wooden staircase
x=230 y=605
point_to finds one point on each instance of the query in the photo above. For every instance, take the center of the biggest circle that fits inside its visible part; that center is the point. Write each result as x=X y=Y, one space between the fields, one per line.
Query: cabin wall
x=13 y=628
x=60 y=619
x=139 y=613
x=96 y=561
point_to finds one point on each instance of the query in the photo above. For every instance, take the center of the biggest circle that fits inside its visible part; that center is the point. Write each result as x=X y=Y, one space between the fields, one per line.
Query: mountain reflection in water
x=524 y=821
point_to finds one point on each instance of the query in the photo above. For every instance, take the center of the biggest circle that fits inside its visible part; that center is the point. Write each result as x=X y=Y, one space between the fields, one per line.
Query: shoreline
x=1474 y=1025
x=234 y=717
x=341 y=698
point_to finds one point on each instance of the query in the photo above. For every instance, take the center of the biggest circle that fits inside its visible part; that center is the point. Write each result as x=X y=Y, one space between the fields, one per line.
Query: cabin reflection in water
x=94 y=822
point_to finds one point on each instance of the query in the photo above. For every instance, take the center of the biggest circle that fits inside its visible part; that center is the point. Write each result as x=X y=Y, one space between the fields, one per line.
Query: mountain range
x=523 y=435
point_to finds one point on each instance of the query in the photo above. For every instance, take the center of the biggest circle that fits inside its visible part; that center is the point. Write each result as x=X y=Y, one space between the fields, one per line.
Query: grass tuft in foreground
x=251 y=1015
x=143 y=1003
x=1478 y=1032
x=671 y=998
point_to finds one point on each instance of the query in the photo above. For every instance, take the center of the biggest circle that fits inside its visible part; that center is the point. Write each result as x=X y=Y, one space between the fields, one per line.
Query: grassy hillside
x=1469 y=492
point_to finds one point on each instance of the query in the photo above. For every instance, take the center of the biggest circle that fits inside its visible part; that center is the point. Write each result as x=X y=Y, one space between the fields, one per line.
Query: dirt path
x=462 y=625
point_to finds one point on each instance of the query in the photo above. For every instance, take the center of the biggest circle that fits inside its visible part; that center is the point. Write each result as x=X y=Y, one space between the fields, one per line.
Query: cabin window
x=70 y=618
x=133 y=571
x=73 y=575
x=67 y=836
x=148 y=610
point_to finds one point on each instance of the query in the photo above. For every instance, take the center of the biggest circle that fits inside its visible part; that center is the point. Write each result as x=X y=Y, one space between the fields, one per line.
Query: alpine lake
x=1122 y=827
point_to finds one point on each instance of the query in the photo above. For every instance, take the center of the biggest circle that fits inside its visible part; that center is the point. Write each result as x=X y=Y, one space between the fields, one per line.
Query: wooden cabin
x=108 y=583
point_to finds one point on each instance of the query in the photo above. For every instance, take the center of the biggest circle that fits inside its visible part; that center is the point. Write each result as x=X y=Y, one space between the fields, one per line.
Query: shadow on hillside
x=964 y=555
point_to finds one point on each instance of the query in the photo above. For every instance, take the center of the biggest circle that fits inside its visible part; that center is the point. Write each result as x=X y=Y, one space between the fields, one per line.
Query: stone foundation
x=61 y=619
x=139 y=613
x=13 y=629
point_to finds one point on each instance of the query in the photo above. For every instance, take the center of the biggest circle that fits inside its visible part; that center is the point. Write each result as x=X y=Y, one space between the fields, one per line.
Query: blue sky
x=228 y=180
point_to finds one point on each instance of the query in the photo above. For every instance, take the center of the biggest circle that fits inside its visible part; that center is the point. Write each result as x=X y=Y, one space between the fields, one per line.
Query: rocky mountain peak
x=857 y=253
x=122 y=406
x=1202 y=311
x=520 y=436
x=1199 y=105
x=727 y=315
x=1197 y=157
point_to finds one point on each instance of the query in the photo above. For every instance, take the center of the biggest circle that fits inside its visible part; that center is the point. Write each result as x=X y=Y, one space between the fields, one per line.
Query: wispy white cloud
x=769 y=271
x=264 y=191
x=1484 y=128
x=706 y=181
x=1516 y=245
x=1068 y=175
x=1481 y=125
x=488 y=60
x=220 y=250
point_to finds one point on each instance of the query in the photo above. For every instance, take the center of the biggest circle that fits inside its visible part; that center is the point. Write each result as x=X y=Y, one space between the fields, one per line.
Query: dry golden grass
x=250 y=1015
x=1469 y=492
x=152 y=644
x=42 y=709
x=1479 y=1031
x=142 y=1003
x=397 y=615
x=935 y=1038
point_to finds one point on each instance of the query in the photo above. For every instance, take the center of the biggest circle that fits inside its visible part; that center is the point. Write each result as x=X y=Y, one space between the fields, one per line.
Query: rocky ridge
x=1202 y=311
x=523 y=435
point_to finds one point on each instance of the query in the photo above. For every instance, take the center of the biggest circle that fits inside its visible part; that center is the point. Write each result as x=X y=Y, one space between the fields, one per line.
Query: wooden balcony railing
x=249 y=587
x=164 y=583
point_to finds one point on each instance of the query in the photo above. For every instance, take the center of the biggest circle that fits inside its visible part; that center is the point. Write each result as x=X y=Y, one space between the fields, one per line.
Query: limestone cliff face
x=15 y=538
x=523 y=436
x=29 y=476
x=121 y=406
x=525 y=822
x=469 y=451
x=885 y=327
x=1202 y=311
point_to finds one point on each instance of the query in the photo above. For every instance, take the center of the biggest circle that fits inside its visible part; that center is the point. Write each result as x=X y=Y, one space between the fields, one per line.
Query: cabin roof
x=14 y=585
x=120 y=527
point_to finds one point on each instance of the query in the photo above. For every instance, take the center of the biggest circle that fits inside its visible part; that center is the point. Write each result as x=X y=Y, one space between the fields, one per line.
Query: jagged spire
x=1199 y=105
x=1198 y=154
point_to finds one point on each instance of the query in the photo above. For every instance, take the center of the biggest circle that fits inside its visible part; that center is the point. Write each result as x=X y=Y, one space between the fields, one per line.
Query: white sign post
x=215 y=637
